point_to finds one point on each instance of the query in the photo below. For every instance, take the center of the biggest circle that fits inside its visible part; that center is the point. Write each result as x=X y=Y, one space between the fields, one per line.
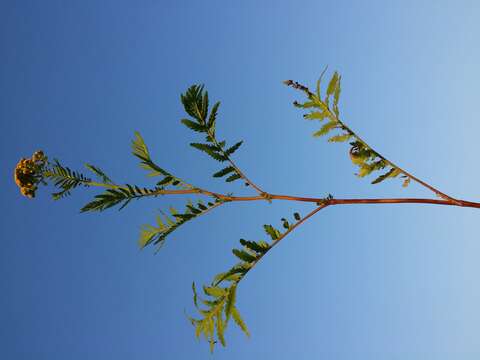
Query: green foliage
x=393 y=172
x=220 y=304
x=340 y=138
x=156 y=235
x=140 y=150
x=325 y=129
x=225 y=171
x=367 y=159
x=100 y=174
x=195 y=103
x=64 y=179
x=217 y=305
x=120 y=195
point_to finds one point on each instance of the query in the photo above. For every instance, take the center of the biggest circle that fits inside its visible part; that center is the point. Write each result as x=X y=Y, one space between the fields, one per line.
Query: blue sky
x=355 y=282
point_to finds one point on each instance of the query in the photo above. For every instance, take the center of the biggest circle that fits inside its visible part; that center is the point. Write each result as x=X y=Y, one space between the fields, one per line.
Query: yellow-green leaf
x=340 y=138
x=325 y=129
x=238 y=319
x=332 y=84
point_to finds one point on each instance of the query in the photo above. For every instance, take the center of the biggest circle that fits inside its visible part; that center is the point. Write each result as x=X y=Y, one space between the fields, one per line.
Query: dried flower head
x=28 y=173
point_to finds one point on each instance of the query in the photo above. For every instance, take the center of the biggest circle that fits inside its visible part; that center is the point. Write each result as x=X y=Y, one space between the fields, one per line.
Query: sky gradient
x=354 y=282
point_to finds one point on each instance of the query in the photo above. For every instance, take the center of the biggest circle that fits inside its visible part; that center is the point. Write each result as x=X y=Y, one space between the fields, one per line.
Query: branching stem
x=311 y=95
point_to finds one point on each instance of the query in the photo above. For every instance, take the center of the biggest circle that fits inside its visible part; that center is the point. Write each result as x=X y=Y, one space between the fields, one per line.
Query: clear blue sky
x=355 y=282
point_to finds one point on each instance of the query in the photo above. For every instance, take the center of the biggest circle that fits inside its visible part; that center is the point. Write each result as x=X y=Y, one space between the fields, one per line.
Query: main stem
x=319 y=201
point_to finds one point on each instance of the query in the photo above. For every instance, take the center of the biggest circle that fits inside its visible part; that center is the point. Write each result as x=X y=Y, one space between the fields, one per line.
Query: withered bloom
x=28 y=173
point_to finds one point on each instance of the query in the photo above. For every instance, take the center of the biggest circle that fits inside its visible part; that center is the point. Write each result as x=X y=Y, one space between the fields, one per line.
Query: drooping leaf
x=238 y=319
x=231 y=298
x=325 y=128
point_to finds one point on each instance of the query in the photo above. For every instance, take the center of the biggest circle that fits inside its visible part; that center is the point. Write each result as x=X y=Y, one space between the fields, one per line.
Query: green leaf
x=231 y=298
x=194 y=102
x=365 y=169
x=305 y=105
x=205 y=147
x=332 y=85
x=166 y=180
x=261 y=248
x=270 y=230
x=232 y=149
x=336 y=94
x=316 y=115
x=211 y=150
x=243 y=255
x=239 y=321
x=237 y=270
x=325 y=128
x=213 y=117
x=393 y=172
x=97 y=171
x=214 y=291
x=340 y=138
x=139 y=148
x=184 y=216
x=233 y=177
x=108 y=199
x=224 y=171
x=204 y=107
x=194 y=210
x=195 y=296
x=193 y=125
x=147 y=233
x=220 y=328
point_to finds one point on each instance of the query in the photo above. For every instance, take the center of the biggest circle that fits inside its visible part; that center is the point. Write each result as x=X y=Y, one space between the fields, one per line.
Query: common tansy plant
x=216 y=307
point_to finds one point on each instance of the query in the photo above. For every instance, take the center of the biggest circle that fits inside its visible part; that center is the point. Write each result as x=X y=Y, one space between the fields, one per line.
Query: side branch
x=334 y=88
x=300 y=222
